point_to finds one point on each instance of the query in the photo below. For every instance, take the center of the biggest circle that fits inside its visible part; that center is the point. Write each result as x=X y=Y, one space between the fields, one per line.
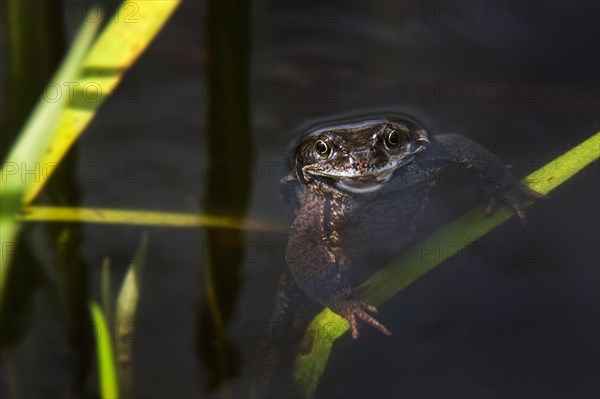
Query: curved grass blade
x=109 y=386
x=141 y=218
x=327 y=327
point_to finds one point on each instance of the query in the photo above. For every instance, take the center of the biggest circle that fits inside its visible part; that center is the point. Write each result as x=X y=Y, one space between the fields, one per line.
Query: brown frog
x=364 y=184
x=359 y=188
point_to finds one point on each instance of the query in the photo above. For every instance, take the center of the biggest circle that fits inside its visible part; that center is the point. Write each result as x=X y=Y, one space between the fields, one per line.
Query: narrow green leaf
x=125 y=316
x=327 y=327
x=140 y=218
x=109 y=386
x=130 y=289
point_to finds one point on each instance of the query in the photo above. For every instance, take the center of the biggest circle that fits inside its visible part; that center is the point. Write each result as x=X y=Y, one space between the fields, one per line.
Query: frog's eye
x=392 y=138
x=322 y=149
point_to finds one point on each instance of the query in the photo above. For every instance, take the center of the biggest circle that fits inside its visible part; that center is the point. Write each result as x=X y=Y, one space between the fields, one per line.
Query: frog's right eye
x=322 y=149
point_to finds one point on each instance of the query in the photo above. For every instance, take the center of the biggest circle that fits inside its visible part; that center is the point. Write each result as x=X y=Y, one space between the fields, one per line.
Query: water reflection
x=526 y=89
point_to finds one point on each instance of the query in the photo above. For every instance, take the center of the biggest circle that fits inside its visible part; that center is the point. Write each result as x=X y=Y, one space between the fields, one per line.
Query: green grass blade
x=130 y=289
x=125 y=316
x=141 y=218
x=327 y=327
x=34 y=139
x=109 y=386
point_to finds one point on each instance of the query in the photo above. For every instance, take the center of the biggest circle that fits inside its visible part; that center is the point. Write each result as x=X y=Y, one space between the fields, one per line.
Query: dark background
x=514 y=316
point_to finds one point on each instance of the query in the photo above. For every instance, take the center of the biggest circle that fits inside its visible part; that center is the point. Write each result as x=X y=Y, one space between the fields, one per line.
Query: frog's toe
x=370 y=308
x=353 y=326
x=370 y=320
x=529 y=193
x=517 y=208
x=491 y=206
x=355 y=311
x=514 y=198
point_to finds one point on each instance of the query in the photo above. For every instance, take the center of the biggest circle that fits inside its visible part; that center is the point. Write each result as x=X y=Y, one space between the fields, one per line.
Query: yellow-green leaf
x=126 y=35
x=140 y=218
x=109 y=386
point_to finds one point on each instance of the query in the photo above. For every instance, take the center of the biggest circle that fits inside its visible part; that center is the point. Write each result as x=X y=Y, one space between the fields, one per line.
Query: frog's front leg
x=317 y=267
x=495 y=179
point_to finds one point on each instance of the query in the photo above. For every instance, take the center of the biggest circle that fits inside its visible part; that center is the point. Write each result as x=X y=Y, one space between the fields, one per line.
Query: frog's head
x=358 y=157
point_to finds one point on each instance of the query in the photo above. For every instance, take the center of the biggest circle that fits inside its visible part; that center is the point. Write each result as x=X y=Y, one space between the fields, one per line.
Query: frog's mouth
x=356 y=181
x=366 y=184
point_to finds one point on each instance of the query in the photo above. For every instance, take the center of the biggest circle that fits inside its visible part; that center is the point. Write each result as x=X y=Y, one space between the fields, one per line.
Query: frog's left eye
x=392 y=138
x=322 y=148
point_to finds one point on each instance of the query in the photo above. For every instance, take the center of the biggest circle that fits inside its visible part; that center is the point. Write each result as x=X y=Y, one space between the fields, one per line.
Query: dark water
x=515 y=316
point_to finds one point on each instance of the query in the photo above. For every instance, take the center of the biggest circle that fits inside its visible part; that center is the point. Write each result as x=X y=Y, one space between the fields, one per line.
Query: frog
x=348 y=177
x=358 y=189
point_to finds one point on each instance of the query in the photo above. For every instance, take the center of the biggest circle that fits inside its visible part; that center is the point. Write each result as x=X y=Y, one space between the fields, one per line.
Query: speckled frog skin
x=360 y=188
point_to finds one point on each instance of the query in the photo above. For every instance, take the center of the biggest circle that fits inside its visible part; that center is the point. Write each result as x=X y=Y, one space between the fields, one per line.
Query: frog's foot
x=353 y=311
x=514 y=197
